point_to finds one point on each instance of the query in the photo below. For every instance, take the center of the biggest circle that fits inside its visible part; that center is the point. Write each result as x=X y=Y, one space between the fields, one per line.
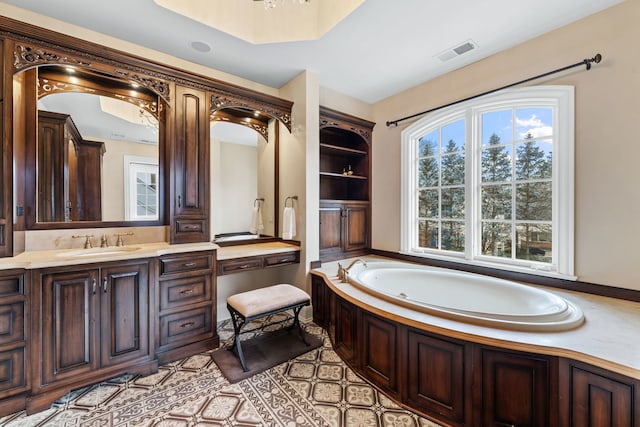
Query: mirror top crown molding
x=35 y=46
x=26 y=56
x=56 y=79
x=245 y=99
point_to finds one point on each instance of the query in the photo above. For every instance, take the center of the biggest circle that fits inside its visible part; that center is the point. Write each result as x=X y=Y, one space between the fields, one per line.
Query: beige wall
x=607 y=109
x=299 y=167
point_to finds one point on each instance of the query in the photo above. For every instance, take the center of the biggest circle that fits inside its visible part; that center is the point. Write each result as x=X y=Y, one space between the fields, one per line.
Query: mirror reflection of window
x=141 y=188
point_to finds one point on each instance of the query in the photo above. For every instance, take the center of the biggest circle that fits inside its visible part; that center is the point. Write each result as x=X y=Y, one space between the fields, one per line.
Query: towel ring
x=258 y=201
x=292 y=198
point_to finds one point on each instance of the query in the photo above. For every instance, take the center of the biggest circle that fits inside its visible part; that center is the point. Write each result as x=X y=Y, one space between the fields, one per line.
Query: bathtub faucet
x=343 y=273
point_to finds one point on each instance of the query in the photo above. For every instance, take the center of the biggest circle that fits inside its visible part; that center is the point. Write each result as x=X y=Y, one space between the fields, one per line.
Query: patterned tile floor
x=314 y=389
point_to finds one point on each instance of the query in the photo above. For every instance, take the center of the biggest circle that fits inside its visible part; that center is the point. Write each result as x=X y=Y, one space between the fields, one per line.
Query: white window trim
x=129 y=202
x=559 y=97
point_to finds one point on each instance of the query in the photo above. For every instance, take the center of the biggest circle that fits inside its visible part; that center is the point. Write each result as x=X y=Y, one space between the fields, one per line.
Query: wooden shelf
x=342 y=150
x=339 y=175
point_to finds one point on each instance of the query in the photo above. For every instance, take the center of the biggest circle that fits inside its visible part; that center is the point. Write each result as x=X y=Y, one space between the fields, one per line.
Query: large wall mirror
x=244 y=160
x=97 y=157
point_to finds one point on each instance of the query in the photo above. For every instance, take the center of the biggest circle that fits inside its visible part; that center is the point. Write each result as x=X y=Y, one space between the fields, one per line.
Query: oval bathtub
x=468 y=297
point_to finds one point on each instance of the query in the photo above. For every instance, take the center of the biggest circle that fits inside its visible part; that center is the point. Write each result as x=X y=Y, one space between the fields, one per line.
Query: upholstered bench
x=252 y=305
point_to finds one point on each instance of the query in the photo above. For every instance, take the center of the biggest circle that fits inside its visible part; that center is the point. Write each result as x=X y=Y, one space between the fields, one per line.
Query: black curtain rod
x=587 y=62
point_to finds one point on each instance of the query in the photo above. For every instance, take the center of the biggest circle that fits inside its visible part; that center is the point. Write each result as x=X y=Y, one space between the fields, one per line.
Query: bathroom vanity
x=79 y=316
x=74 y=317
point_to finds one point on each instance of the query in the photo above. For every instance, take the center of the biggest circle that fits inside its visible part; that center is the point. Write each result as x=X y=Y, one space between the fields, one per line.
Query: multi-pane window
x=491 y=182
x=441 y=196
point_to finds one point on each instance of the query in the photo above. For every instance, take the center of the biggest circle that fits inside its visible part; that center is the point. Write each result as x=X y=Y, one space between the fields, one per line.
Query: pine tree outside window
x=490 y=182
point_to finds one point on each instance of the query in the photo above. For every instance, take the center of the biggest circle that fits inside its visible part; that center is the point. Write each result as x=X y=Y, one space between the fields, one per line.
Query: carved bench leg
x=296 y=322
x=238 y=322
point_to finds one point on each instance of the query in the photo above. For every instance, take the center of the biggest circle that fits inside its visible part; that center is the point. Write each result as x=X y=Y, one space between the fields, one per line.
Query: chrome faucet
x=343 y=273
x=87 y=242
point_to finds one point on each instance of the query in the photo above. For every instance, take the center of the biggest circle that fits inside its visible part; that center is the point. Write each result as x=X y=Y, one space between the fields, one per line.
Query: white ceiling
x=382 y=48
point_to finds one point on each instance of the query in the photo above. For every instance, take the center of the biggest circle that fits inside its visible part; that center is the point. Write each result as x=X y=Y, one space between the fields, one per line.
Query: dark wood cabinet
x=190 y=167
x=90 y=324
x=439 y=376
x=344 y=228
x=13 y=340
x=598 y=398
x=321 y=303
x=257 y=262
x=516 y=388
x=345 y=187
x=345 y=339
x=187 y=305
x=125 y=313
x=379 y=353
x=6 y=161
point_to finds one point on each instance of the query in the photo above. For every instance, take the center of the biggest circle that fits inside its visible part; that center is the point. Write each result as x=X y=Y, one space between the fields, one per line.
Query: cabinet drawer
x=185 y=263
x=186 y=326
x=284 y=258
x=12 y=373
x=238 y=265
x=180 y=292
x=11 y=323
x=11 y=285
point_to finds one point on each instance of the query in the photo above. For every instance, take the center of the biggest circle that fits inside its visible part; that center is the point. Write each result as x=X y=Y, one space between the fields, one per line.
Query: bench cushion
x=265 y=300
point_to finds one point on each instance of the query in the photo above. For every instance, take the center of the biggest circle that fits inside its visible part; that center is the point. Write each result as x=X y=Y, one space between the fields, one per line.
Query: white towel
x=256 y=226
x=289 y=223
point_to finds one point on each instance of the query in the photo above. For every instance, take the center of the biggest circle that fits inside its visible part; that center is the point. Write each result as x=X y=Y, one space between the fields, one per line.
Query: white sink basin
x=95 y=252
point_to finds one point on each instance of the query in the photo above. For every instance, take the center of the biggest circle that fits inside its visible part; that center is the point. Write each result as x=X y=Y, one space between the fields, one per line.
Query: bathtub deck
x=607 y=339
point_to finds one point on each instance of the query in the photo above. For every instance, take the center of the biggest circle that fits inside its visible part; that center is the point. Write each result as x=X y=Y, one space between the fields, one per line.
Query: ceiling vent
x=455 y=51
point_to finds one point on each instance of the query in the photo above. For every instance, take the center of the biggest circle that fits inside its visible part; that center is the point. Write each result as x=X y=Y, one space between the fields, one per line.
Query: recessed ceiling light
x=201 y=47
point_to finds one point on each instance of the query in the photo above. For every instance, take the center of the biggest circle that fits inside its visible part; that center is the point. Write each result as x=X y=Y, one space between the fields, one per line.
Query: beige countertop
x=609 y=337
x=62 y=257
x=254 y=249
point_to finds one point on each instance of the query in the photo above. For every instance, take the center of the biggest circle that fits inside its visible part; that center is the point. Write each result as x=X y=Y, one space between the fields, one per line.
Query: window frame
x=561 y=100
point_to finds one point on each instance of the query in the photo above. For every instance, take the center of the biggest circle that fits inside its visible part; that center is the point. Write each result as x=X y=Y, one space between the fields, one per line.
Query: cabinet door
x=438 y=381
x=516 y=389
x=330 y=229
x=70 y=337
x=320 y=302
x=379 y=352
x=190 y=166
x=356 y=228
x=125 y=313
x=346 y=337
x=599 y=398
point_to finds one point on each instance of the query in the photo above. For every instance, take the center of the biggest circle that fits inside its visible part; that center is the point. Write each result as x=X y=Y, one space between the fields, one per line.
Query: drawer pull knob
x=245 y=266
x=284 y=259
x=105 y=285
x=187 y=325
x=186 y=292
x=93 y=286
x=189 y=264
